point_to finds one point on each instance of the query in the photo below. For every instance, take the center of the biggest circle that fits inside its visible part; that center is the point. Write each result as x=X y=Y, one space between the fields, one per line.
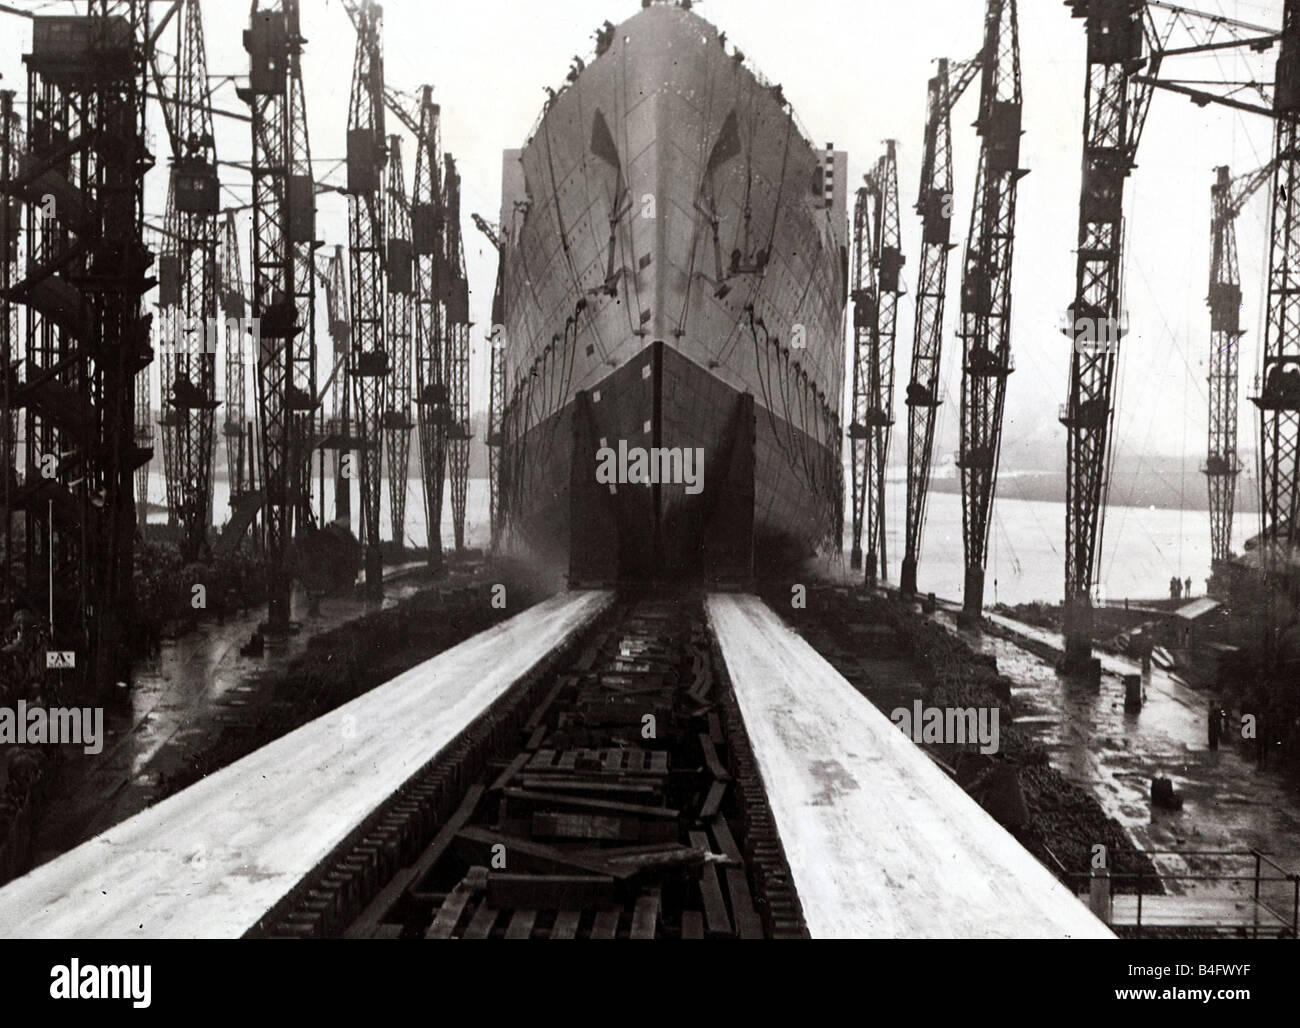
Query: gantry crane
x=1115 y=111
x=144 y=440
x=234 y=309
x=370 y=367
x=1125 y=54
x=338 y=435
x=187 y=282
x=986 y=290
x=497 y=384
x=1278 y=399
x=87 y=338
x=935 y=205
x=1279 y=396
x=431 y=392
x=401 y=304
x=284 y=232
x=10 y=340
x=1228 y=196
x=877 y=285
x=863 y=294
x=456 y=353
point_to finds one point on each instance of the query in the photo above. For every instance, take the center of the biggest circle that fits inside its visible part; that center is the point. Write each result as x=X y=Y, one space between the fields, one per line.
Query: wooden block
x=536 y=739
x=388 y=931
x=566 y=924
x=449 y=913
x=521 y=925
x=575 y=784
x=748 y=923
x=585 y=826
x=606 y=924
x=535 y=719
x=692 y=924
x=511 y=770
x=715 y=910
x=673 y=855
x=645 y=916
x=711 y=761
x=378 y=908
x=475 y=845
x=713 y=801
x=480 y=925
x=371 y=919
x=541 y=760
x=585 y=803
x=724 y=841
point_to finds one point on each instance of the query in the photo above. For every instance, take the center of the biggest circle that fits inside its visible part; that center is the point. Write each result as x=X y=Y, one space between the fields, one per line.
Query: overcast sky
x=856 y=74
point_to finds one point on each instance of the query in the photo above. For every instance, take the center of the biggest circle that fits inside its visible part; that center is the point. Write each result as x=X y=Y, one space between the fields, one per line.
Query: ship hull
x=659 y=530
x=673 y=280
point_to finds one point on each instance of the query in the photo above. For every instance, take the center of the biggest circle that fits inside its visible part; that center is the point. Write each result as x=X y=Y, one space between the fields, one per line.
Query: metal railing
x=1276 y=894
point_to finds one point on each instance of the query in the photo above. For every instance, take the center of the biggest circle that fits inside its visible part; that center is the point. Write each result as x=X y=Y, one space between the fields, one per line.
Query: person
x=1175 y=587
x=1188 y=587
x=1145 y=645
x=604 y=37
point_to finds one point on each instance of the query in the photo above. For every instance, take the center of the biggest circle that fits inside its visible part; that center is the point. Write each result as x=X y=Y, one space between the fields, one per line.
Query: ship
x=669 y=318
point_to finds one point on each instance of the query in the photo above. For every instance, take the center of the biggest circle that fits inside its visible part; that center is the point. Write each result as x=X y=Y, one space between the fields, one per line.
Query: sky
x=856 y=75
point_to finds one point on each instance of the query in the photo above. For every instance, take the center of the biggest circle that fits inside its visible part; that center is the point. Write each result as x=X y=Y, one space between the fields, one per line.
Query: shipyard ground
x=410 y=853
x=202 y=701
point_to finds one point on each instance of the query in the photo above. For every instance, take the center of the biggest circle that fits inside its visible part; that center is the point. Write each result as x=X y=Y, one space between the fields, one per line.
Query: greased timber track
x=604 y=833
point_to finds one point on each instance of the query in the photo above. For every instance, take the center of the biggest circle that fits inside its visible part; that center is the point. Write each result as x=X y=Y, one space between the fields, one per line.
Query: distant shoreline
x=1127 y=489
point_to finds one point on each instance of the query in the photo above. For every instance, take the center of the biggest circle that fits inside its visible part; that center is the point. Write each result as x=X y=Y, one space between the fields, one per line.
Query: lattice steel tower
x=401 y=309
x=431 y=392
x=877 y=285
x=456 y=293
x=986 y=290
x=187 y=283
x=935 y=205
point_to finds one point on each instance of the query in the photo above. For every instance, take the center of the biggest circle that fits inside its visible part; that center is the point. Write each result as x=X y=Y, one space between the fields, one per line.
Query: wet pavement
x=1229 y=804
x=183 y=699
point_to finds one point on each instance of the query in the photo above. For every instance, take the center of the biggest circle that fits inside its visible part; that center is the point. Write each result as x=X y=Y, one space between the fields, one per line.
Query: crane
x=428 y=246
x=370 y=367
x=401 y=293
x=456 y=354
x=144 y=439
x=234 y=308
x=87 y=337
x=935 y=205
x=1278 y=401
x=10 y=235
x=1125 y=54
x=338 y=435
x=1114 y=115
x=283 y=302
x=986 y=290
x=877 y=285
x=497 y=382
x=1228 y=196
x=187 y=283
